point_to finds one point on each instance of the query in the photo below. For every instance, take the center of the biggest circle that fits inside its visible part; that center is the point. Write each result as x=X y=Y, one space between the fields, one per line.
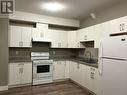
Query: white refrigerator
x=113 y=66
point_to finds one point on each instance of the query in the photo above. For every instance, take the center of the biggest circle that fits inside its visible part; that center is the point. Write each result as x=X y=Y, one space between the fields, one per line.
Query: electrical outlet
x=17 y=52
x=54 y=52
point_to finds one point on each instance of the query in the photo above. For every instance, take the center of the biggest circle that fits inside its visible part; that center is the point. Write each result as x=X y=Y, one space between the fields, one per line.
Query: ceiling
x=75 y=9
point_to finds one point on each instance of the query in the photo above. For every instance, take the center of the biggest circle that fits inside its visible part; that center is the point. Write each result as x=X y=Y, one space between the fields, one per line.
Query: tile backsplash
x=89 y=52
x=19 y=53
x=63 y=53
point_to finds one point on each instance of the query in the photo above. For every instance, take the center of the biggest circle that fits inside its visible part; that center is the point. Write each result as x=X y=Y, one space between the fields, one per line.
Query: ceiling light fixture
x=93 y=15
x=53 y=6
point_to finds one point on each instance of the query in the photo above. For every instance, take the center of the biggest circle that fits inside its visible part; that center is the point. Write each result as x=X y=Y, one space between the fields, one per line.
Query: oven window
x=43 y=68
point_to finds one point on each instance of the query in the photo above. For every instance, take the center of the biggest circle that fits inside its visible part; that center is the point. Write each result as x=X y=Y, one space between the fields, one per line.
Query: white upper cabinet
x=59 y=38
x=36 y=33
x=15 y=36
x=26 y=37
x=20 y=36
x=89 y=34
x=41 y=26
x=40 y=31
x=86 y=34
x=63 y=39
x=118 y=25
x=72 y=43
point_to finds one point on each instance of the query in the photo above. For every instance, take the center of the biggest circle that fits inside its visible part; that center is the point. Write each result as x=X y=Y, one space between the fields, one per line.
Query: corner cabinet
x=84 y=75
x=89 y=34
x=59 y=38
x=78 y=73
x=20 y=36
x=20 y=73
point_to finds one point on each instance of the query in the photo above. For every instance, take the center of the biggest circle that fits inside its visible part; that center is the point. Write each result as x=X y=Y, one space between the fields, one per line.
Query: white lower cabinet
x=84 y=75
x=78 y=73
x=20 y=73
x=60 y=70
x=91 y=78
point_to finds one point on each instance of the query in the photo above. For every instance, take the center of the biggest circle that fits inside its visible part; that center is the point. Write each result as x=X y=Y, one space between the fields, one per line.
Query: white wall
x=110 y=13
x=44 y=19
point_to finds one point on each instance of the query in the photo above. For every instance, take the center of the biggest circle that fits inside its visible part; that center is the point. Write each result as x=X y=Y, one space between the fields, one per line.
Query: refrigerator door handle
x=101 y=50
x=100 y=63
x=100 y=66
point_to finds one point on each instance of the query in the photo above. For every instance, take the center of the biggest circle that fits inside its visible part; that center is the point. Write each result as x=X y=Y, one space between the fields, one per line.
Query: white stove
x=42 y=68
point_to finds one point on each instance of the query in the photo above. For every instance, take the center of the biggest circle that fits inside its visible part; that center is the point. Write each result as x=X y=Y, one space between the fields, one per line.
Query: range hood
x=34 y=39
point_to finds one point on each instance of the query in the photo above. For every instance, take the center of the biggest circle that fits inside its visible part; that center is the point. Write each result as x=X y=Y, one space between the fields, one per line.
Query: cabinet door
x=41 y=26
x=14 y=74
x=26 y=36
x=15 y=36
x=118 y=25
x=67 y=72
x=59 y=70
x=84 y=75
x=80 y=73
x=63 y=39
x=36 y=33
x=55 y=38
x=26 y=76
x=72 y=39
x=73 y=71
x=91 y=78
x=123 y=23
x=96 y=81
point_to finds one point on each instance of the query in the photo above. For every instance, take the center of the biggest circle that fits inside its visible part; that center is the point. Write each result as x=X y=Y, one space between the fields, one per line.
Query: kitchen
x=41 y=53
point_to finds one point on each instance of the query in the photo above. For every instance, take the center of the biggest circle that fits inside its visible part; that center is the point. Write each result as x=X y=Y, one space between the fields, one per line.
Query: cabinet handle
x=65 y=63
x=92 y=77
x=78 y=44
x=21 y=43
x=22 y=70
x=78 y=66
x=85 y=37
x=19 y=70
x=123 y=27
x=60 y=44
x=120 y=27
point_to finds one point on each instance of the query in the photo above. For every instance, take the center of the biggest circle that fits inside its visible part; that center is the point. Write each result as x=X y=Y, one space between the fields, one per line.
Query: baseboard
x=14 y=86
x=3 y=88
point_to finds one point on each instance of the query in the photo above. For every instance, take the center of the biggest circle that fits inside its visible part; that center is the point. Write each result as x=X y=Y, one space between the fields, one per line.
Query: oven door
x=42 y=70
